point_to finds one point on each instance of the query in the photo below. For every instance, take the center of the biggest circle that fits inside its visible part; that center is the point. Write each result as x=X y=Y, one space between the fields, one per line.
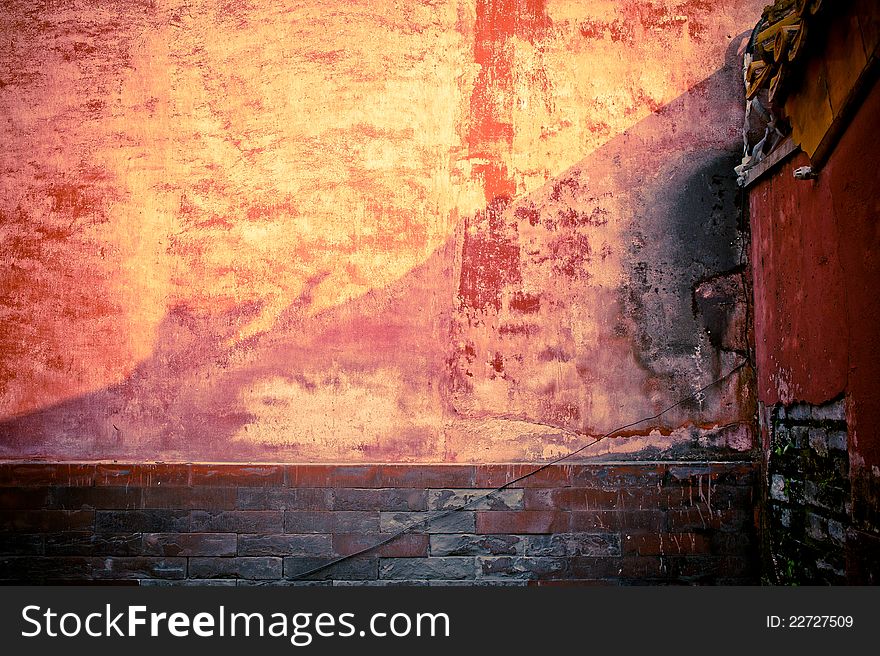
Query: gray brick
x=342 y=521
x=526 y=568
x=816 y=526
x=237 y=521
x=830 y=572
x=800 y=436
x=812 y=494
x=782 y=435
x=479 y=583
x=800 y=412
x=31 y=569
x=284 y=545
x=349 y=569
x=21 y=544
x=785 y=517
x=188 y=583
x=438 y=521
x=836 y=531
x=830 y=412
x=355 y=521
x=382 y=583
x=397 y=499
x=475 y=545
x=573 y=544
x=282 y=583
x=138 y=521
x=837 y=440
x=818 y=442
x=447 y=567
x=94 y=544
x=777 y=488
x=308 y=522
x=266 y=567
x=509 y=499
x=190 y=544
x=274 y=498
x=138 y=568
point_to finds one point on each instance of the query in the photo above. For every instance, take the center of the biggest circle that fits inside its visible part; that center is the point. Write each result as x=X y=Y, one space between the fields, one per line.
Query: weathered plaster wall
x=375 y=231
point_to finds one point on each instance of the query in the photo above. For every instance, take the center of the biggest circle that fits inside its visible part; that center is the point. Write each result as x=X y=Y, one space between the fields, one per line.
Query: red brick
x=139 y=521
x=637 y=521
x=428 y=476
x=593 y=567
x=736 y=566
x=410 y=545
x=522 y=521
x=244 y=475
x=690 y=472
x=24 y=498
x=645 y=498
x=569 y=498
x=75 y=498
x=141 y=475
x=45 y=474
x=664 y=544
x=734 y=543
x=694 y=568
x=642 y=567
x=719 y=473
x=333 y=476
x=700 y=518
x=492 y=476
x=617 y=477
x=593 y=520
x=190 y=498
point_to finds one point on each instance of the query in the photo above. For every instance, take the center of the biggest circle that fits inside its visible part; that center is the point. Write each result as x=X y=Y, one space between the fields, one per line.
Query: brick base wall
x=175 y=524
x=809 y=507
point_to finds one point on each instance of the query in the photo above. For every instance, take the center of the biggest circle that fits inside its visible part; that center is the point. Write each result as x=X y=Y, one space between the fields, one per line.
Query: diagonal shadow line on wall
x=671 y=174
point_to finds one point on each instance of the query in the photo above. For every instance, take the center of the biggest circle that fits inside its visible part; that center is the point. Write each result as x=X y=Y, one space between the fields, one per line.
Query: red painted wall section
x=816 y=254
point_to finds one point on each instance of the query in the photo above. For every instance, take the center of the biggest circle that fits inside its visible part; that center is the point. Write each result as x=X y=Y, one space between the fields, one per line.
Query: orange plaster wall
x=360 y=231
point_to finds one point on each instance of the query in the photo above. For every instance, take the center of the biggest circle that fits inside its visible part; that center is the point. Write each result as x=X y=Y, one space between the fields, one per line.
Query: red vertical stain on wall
x=491 y=108
x=489 y=259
